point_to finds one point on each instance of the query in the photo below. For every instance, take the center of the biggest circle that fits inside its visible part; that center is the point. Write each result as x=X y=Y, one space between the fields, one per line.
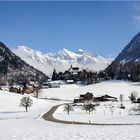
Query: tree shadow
x=11 y=112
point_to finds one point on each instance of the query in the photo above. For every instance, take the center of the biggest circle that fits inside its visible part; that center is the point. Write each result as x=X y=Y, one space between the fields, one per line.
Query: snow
x=16 y=124
x=61 y=60
x=10 y=106
x=102 y=114
x=41 y=130
x=113 y=88
x=80 y=50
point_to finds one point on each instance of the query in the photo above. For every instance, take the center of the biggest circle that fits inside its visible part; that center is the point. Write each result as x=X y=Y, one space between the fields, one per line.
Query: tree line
x=84 y=76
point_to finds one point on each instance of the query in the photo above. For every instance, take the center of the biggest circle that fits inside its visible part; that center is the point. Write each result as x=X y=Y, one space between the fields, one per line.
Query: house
x=89 y=97
x=15 y=89
x=53 y=85
x=28 y=89
x=105 y=98
x=45 y=85
x=78 y=100
x=84 y=97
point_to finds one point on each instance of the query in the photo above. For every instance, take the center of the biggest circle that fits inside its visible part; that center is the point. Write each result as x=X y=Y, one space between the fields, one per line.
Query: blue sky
x=102 y=27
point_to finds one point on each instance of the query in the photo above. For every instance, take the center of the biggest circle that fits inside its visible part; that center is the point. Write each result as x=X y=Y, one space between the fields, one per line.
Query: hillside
x=13 y=69
x=127 y=63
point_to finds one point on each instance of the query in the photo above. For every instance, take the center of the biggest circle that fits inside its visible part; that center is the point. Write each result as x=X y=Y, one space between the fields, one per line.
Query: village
x=71 y=76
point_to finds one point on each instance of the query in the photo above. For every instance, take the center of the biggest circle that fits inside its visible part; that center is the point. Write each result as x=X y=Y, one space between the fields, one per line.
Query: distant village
x=71 y=76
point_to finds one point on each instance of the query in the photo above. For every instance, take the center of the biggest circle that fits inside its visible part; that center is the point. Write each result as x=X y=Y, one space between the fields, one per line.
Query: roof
x=105 y=96
x=69 y=81
x=75 y=68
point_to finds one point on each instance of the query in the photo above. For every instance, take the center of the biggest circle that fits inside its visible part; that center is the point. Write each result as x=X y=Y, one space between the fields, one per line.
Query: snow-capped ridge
x=62 y=59
x=80 y=50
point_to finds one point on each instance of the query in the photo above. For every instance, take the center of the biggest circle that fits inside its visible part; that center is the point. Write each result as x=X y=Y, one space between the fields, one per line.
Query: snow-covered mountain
x=127 y=63
x=62 y=59
x=15 y=69
x=131 y=52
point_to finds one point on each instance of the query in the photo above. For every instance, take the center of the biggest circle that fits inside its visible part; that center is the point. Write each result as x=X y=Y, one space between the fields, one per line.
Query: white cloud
x=136 y=15
x=136 y=6
x=136 y=20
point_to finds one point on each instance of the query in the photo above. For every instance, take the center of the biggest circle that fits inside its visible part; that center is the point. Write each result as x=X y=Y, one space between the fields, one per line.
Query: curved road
x=49 y=117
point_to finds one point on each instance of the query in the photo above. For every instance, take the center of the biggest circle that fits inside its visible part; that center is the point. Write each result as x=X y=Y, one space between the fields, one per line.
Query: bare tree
x=88 y=107
x=37 y=91
x=121 y=99
x=68 y=108
x=26 y=102
x=133 y=96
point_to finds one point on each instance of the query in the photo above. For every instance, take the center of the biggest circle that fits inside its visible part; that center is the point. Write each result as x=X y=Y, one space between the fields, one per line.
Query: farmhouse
x=89 y=97
x=105 y=98
x=84 y=97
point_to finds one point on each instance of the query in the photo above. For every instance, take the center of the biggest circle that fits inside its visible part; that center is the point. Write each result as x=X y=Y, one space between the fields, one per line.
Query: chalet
x=78 y=100
x=105 y=98
x=15 y=89
x=29 y=89
x=89 y=97
x=84 y=97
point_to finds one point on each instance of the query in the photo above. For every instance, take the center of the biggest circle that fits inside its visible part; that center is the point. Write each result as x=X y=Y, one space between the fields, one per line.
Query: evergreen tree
x=54 y=75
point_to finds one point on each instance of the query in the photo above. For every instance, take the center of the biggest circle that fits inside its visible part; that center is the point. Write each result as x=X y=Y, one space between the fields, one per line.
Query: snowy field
x=16 y=124
x=10 y=106
x=30 y=129
x=113 y=88
x=106 y=113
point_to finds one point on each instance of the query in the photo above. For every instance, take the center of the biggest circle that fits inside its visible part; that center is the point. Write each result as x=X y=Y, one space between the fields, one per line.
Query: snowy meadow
x=16 y=123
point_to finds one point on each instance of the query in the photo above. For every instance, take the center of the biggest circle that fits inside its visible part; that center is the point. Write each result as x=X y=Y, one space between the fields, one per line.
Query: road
x=49 y=117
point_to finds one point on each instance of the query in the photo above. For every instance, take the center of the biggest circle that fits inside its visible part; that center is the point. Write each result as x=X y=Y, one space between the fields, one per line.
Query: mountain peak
x=80 y=50
x=137 y=37
x=62 y=59
x=24 y=48
x=64 y=50
x=128 y=61
x=11 y=63
x=131 y=51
